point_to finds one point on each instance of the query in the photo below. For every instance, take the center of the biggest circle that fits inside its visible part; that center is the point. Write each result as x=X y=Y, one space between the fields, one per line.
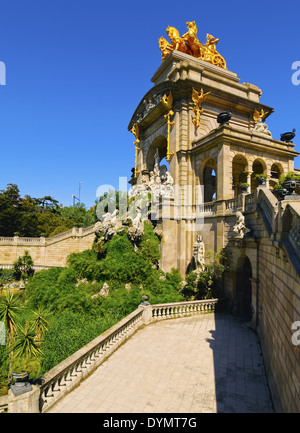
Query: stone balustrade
x=35 y=267
x=231 y=204
x=66 y=375
x=61 y=379
x=294 y=233
x=182 y=309
x=267 y=204
x=249 y=202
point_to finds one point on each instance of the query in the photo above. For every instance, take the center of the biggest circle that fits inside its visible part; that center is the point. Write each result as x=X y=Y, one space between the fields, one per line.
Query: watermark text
x=2 y=74
x=296 y=335
x=296 y=74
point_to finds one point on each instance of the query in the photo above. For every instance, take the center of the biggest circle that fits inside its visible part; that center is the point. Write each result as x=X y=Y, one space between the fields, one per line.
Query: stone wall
x=275 y=295
x=279 y=308
x=47 y=251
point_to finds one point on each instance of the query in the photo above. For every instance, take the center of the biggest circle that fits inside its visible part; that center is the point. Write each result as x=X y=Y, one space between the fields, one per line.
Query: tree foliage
x=23 y=267
x=34 y=217
x=204 y=285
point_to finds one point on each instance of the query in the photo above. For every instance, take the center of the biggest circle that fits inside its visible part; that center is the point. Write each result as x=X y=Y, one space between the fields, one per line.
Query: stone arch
x=159 y=143
x=275 y=172
x=239 y=172
x=243 y=288
x=208 y=178
x=259 y=166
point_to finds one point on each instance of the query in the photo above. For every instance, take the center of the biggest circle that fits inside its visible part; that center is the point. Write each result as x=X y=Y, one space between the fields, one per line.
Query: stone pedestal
x=24 y=403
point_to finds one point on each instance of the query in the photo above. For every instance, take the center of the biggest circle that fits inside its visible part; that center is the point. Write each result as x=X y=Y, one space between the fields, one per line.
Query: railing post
x=147 y=314
x=24 y=403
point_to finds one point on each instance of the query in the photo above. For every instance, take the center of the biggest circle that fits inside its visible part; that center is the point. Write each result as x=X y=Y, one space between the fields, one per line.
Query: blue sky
x=77 y=69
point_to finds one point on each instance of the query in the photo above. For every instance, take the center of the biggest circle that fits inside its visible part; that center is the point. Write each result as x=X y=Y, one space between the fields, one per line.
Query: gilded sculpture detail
x=189 y=44
x=168 y=102
x=198 y=98
x=136 y=132
x=260 y=126
x=259 y=115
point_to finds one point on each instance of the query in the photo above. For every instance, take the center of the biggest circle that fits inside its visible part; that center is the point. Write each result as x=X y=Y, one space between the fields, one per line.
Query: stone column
x=249 y=174
x=268 y=175
x=249 y=181
x=223 y=170
x=147 y=313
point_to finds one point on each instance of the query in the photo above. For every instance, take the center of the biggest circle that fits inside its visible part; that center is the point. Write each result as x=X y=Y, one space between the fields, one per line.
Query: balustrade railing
x=294 y=233
x=42 y=241
x=182 y=309
x=249 y=202
x=65 y=376
x=267 y=204
x=208 y=208
x=231 y=204
x=6 y=240
x=35 y=267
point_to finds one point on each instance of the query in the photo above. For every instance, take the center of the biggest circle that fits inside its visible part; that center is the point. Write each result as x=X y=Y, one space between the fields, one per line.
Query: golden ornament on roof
x=189 y=44
x=259 y=115
x=198 y=98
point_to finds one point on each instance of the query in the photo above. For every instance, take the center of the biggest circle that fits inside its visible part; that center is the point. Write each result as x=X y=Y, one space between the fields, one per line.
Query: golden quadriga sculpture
x=189 y=44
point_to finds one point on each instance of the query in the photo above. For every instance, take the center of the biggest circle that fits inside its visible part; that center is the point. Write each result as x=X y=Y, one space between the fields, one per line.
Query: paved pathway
x=195 y=364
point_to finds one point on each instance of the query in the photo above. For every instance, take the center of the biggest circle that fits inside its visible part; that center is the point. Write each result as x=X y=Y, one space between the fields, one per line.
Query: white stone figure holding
x=199 y=253
x=240 y=229
x=261 y=127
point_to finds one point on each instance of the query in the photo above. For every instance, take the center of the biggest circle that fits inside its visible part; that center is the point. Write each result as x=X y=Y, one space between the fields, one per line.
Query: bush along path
x=65 y=308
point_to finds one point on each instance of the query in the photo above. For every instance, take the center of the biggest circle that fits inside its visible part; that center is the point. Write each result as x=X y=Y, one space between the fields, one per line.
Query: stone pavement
x=208 y=363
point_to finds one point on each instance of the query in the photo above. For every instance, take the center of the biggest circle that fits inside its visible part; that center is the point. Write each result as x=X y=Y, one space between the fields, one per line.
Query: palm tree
x=9 y=309
x=25 y=342
x=26 y=351
x=40 y=323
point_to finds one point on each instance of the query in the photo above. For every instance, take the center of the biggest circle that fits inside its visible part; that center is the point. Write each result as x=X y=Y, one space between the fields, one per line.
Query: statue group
x=160 y=183
x=189 y=44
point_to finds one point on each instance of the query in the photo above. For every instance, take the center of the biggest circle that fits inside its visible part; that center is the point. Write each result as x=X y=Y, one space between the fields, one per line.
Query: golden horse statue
x=190 y=44
x=165 y=48
x=190 y=37
x=177 y=42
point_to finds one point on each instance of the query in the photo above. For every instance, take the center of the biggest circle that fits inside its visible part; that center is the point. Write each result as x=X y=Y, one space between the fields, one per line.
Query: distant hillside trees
x=34 y=217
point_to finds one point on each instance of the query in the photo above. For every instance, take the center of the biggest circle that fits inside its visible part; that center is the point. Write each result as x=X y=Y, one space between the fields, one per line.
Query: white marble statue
x=261 y=127
x=199 y=253
x=240 y=228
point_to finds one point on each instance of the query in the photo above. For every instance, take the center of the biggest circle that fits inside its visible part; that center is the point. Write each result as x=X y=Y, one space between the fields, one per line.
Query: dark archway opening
x=209 y=181
x=244 y=289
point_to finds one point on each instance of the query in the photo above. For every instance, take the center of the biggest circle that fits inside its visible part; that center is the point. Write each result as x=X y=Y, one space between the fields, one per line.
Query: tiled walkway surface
x=191 y=365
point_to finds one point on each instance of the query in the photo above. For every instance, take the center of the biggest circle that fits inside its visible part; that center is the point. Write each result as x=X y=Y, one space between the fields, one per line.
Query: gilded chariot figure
x=189 y=44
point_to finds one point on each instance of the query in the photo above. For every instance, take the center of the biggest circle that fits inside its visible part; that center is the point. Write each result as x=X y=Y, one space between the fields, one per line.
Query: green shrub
x=23 y=267
x=76 y=317
x=6 y=276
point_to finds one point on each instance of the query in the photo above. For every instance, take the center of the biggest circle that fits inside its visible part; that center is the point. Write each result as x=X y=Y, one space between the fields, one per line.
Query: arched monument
x=216 y=160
